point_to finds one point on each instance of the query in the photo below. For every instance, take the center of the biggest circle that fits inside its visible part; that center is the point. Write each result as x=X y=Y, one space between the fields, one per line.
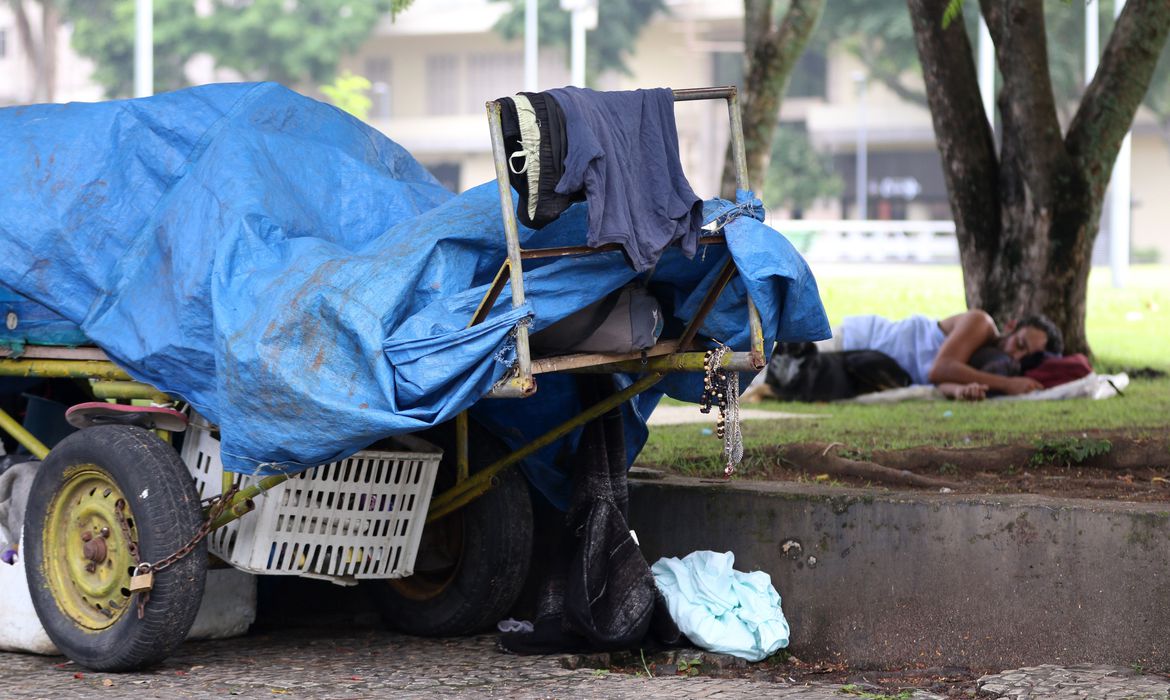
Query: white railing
x=851 y=240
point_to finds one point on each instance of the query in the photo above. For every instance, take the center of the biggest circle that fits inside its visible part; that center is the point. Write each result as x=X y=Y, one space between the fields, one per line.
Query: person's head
x=1029 y=335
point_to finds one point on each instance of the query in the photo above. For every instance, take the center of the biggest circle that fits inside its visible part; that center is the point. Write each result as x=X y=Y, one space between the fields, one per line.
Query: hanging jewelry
x=721 y=390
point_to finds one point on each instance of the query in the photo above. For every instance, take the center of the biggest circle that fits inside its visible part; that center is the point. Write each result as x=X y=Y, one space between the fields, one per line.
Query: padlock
x=141 y=582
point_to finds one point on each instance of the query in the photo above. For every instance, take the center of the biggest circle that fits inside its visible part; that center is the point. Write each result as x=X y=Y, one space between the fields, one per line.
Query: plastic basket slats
x=358 y=518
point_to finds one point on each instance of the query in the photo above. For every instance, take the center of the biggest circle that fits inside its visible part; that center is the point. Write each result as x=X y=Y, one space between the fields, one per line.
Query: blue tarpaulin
x=304 y=283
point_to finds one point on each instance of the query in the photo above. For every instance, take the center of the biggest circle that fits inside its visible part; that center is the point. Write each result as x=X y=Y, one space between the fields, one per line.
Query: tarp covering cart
x=309 y=290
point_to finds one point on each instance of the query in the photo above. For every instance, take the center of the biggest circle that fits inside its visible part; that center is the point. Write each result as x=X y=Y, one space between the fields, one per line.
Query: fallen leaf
x=107 y=682
x=1160 y=480
x=279 y=691
x=821 y=477
x=196 y=668
x=79 y=675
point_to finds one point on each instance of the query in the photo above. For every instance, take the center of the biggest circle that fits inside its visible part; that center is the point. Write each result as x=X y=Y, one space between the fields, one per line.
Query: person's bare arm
x=964 y=392
x=966 y=333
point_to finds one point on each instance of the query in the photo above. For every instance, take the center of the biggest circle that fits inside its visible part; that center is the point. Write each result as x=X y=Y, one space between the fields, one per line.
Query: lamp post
x=531 y=50
x=143 y=48
x=862 y=176
x=583 y=16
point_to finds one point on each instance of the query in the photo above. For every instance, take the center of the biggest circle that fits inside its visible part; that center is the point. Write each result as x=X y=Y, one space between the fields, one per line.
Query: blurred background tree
x=798 y=174
x=350 y=93
x=39 y=39
x=619 y=22
x=288 y=41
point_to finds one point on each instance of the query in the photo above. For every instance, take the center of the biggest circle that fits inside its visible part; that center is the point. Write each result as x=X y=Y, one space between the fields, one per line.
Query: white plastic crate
x=358 y=518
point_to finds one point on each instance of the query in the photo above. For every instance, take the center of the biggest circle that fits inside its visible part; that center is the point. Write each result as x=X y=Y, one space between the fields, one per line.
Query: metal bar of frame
x=522 y=382
x=512 y=237
x=19 y=433
x=77 y=369
x=483 y=480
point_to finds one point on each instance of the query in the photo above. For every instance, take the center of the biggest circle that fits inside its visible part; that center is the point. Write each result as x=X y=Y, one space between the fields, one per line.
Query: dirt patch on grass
x=1104 y=464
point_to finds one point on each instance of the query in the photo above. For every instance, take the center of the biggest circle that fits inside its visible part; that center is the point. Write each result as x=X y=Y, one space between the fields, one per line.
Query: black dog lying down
x=798 y=372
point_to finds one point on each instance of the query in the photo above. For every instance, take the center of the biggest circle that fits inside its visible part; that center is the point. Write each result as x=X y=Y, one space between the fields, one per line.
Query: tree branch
x=31 y=48
x=1031 y=135
x=771 y=56
x=964 y=136
x=1112 y=99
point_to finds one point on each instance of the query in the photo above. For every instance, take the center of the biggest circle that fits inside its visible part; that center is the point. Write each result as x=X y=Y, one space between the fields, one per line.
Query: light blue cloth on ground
x=721 y=609
x=913 y=342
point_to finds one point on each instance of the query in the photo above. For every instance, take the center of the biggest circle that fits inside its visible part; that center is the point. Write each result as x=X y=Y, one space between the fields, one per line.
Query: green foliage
x=880 y=34
x=689 y=668
x=289 y=41
x=619 y=22
x=798 y=174
x=1069 y=451
x=103 y=30
x=953 y=11
x=857 y=691
x=350 y=93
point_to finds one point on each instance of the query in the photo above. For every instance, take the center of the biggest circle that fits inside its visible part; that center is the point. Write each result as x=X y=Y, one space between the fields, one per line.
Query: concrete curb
x=880 y=578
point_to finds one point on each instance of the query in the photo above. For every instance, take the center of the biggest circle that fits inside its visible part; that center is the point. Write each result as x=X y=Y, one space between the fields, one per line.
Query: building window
x=492 y=75
x=442 y=85
x=3 y=43
x=378 y=73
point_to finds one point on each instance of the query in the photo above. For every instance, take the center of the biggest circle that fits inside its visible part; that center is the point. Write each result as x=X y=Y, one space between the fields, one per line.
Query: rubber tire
x=167 y=513
x=493 y=562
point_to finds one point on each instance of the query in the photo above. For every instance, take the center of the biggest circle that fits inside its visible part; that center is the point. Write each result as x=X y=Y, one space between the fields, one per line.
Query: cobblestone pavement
x=1095 y=682
x=314 y=663
x=369 y=664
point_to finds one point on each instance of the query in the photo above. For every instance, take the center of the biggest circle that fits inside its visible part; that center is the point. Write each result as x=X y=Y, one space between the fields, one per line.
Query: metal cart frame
x=684 y=354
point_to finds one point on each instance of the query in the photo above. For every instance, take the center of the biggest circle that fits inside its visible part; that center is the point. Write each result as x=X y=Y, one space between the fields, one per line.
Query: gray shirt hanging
x=623 y=151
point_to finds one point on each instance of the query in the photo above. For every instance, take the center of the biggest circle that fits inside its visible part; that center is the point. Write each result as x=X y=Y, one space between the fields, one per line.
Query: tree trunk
x=1026 y=221
x=770 y=53
x=50 y=25
x=32 y=49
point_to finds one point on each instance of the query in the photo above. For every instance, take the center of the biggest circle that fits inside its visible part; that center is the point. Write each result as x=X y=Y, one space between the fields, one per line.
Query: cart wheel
x=80 y=558
x=471 y=564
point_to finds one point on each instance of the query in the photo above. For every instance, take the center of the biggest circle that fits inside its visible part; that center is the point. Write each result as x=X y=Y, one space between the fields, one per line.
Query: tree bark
x=771 y=53
x=1026 y=222
x=965 y=140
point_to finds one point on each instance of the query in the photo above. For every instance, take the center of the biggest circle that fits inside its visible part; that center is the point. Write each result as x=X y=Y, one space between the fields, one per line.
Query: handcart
x=119 y=523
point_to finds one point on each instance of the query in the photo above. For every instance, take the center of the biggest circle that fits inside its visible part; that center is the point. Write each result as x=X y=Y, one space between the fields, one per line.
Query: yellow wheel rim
x=429 y=582
x=87 y=557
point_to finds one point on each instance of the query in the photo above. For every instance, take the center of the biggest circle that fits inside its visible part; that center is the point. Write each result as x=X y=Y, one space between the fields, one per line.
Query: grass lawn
x=1128 y=328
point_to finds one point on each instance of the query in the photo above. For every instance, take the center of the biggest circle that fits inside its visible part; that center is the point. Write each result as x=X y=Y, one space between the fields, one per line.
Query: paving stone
x=331 y=665
x=1049 y=682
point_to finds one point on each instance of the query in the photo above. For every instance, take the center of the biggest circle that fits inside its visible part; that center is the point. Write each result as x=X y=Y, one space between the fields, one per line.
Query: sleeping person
x=964 y=355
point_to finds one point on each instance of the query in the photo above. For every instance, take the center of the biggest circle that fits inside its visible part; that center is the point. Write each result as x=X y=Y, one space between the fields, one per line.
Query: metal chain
x=721 y=390
x=217 y=507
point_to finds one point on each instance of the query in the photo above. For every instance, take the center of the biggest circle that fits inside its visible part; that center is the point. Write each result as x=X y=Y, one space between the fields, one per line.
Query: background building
x=435 y=65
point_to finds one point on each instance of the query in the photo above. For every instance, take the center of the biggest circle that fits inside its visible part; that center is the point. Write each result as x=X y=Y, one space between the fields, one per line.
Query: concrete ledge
x=906 y=578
